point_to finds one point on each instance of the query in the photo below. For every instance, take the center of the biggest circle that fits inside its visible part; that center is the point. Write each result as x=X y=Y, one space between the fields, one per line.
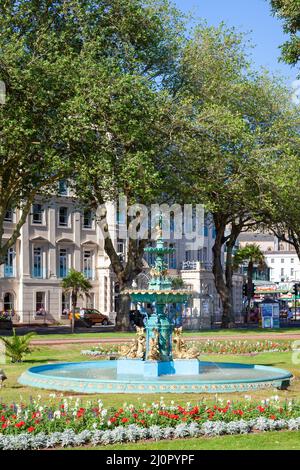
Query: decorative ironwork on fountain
x=159 y=293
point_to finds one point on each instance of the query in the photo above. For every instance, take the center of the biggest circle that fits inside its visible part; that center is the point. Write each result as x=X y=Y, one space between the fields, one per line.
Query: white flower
x=108 y=423
x=103 y=413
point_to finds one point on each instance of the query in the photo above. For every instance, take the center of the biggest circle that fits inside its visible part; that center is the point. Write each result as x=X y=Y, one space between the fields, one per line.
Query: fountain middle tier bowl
x=105 y=377
x=159 y=296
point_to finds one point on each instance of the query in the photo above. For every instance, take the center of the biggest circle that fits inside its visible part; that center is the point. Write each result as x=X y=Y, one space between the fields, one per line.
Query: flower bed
x=209 y=347
x=212 y=346
x=71 y=423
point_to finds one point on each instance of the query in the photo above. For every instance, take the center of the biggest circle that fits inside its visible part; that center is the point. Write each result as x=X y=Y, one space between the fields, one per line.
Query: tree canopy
x=289 y=12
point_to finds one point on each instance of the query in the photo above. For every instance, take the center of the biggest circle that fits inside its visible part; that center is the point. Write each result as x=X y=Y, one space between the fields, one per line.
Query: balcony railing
x=37 y=272
x=9 y=271
x=196 y=266
x=89 y=274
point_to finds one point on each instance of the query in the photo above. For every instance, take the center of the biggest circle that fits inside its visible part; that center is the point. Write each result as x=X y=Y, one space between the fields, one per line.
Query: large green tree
x=289 y=12
x=119 y=117
x=40 y=43
x=235 y=126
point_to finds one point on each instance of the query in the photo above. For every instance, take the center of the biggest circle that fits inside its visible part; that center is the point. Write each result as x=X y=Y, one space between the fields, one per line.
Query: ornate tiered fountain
x=158 y=360
x=155 y=348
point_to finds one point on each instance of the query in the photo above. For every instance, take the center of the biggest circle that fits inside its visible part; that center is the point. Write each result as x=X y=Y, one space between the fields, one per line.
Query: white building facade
x=58 y=235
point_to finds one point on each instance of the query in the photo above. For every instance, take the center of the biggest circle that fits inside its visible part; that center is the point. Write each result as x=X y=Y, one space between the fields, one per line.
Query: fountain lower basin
x=105 y=377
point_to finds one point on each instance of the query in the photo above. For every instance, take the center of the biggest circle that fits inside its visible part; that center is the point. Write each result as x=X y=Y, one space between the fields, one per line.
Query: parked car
x=90 y=317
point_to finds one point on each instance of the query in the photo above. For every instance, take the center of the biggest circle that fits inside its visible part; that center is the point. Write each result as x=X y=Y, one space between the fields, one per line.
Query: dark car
x=91 y=316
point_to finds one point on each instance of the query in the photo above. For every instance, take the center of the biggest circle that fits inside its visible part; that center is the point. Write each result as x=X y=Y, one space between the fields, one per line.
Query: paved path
x=261 y=336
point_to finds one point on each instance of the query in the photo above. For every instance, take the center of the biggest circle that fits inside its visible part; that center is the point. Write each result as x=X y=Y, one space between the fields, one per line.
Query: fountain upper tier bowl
x=159 y=296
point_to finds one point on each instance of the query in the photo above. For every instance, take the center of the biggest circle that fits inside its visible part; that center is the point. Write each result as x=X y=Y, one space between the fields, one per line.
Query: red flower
x=272 y=417
x=124 y=420
x=31 y=429
x=4 y=426
x=2 y=418
x=20 y=424
x=113 y=420
x=135 y=415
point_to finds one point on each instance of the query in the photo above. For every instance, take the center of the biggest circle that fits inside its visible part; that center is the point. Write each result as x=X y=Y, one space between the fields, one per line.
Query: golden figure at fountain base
x=154 y=353
x=180 y=349
x=137 y=348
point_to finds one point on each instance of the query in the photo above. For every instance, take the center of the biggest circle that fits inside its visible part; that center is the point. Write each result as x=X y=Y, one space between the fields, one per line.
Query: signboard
x=270 y=315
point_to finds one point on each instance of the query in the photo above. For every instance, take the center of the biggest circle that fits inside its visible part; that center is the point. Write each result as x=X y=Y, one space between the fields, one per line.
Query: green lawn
x=12 y=391
x=206 y=333
x=286 y=440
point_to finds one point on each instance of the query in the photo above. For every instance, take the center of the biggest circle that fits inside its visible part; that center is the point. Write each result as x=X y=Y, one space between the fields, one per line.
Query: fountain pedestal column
x=159 y=327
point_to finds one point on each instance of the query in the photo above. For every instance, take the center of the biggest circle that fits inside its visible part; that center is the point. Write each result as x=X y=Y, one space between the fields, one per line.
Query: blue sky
x=252 y=16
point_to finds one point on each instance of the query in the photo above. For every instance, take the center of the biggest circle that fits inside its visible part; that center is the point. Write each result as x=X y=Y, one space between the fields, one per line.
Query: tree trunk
x=229 y=283
x=122 y=320
x=221 y=285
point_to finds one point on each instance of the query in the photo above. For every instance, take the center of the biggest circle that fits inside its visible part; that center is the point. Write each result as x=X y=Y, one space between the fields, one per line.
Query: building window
x=204 y=254
x=292 y=271
x=65 y=304
x=37 y=263
x=8 y=302
x=282 y=271
x=121 y=217
x=282 y=260
x=8 y=217
x=87 y=264
x=40 y=303
x=9 y=263
x=63 y=262
x=87 y=219
x=292 y=260
x=172 y=258
x=63 y=217
x=272 y=260
x=188 y=255
x=90 y=300
x=121 y=247
x=63 y=188
x=37 y=214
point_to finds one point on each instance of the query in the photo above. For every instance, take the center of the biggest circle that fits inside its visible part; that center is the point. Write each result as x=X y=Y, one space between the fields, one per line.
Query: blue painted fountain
x=158 y=360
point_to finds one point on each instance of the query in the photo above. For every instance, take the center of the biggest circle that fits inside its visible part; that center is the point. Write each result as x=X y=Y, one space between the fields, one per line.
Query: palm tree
x=76 y=284
x=252 y=254
x=17 y=346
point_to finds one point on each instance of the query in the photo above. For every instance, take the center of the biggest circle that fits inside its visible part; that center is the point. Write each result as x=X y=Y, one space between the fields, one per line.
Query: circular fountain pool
x=102 y=377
